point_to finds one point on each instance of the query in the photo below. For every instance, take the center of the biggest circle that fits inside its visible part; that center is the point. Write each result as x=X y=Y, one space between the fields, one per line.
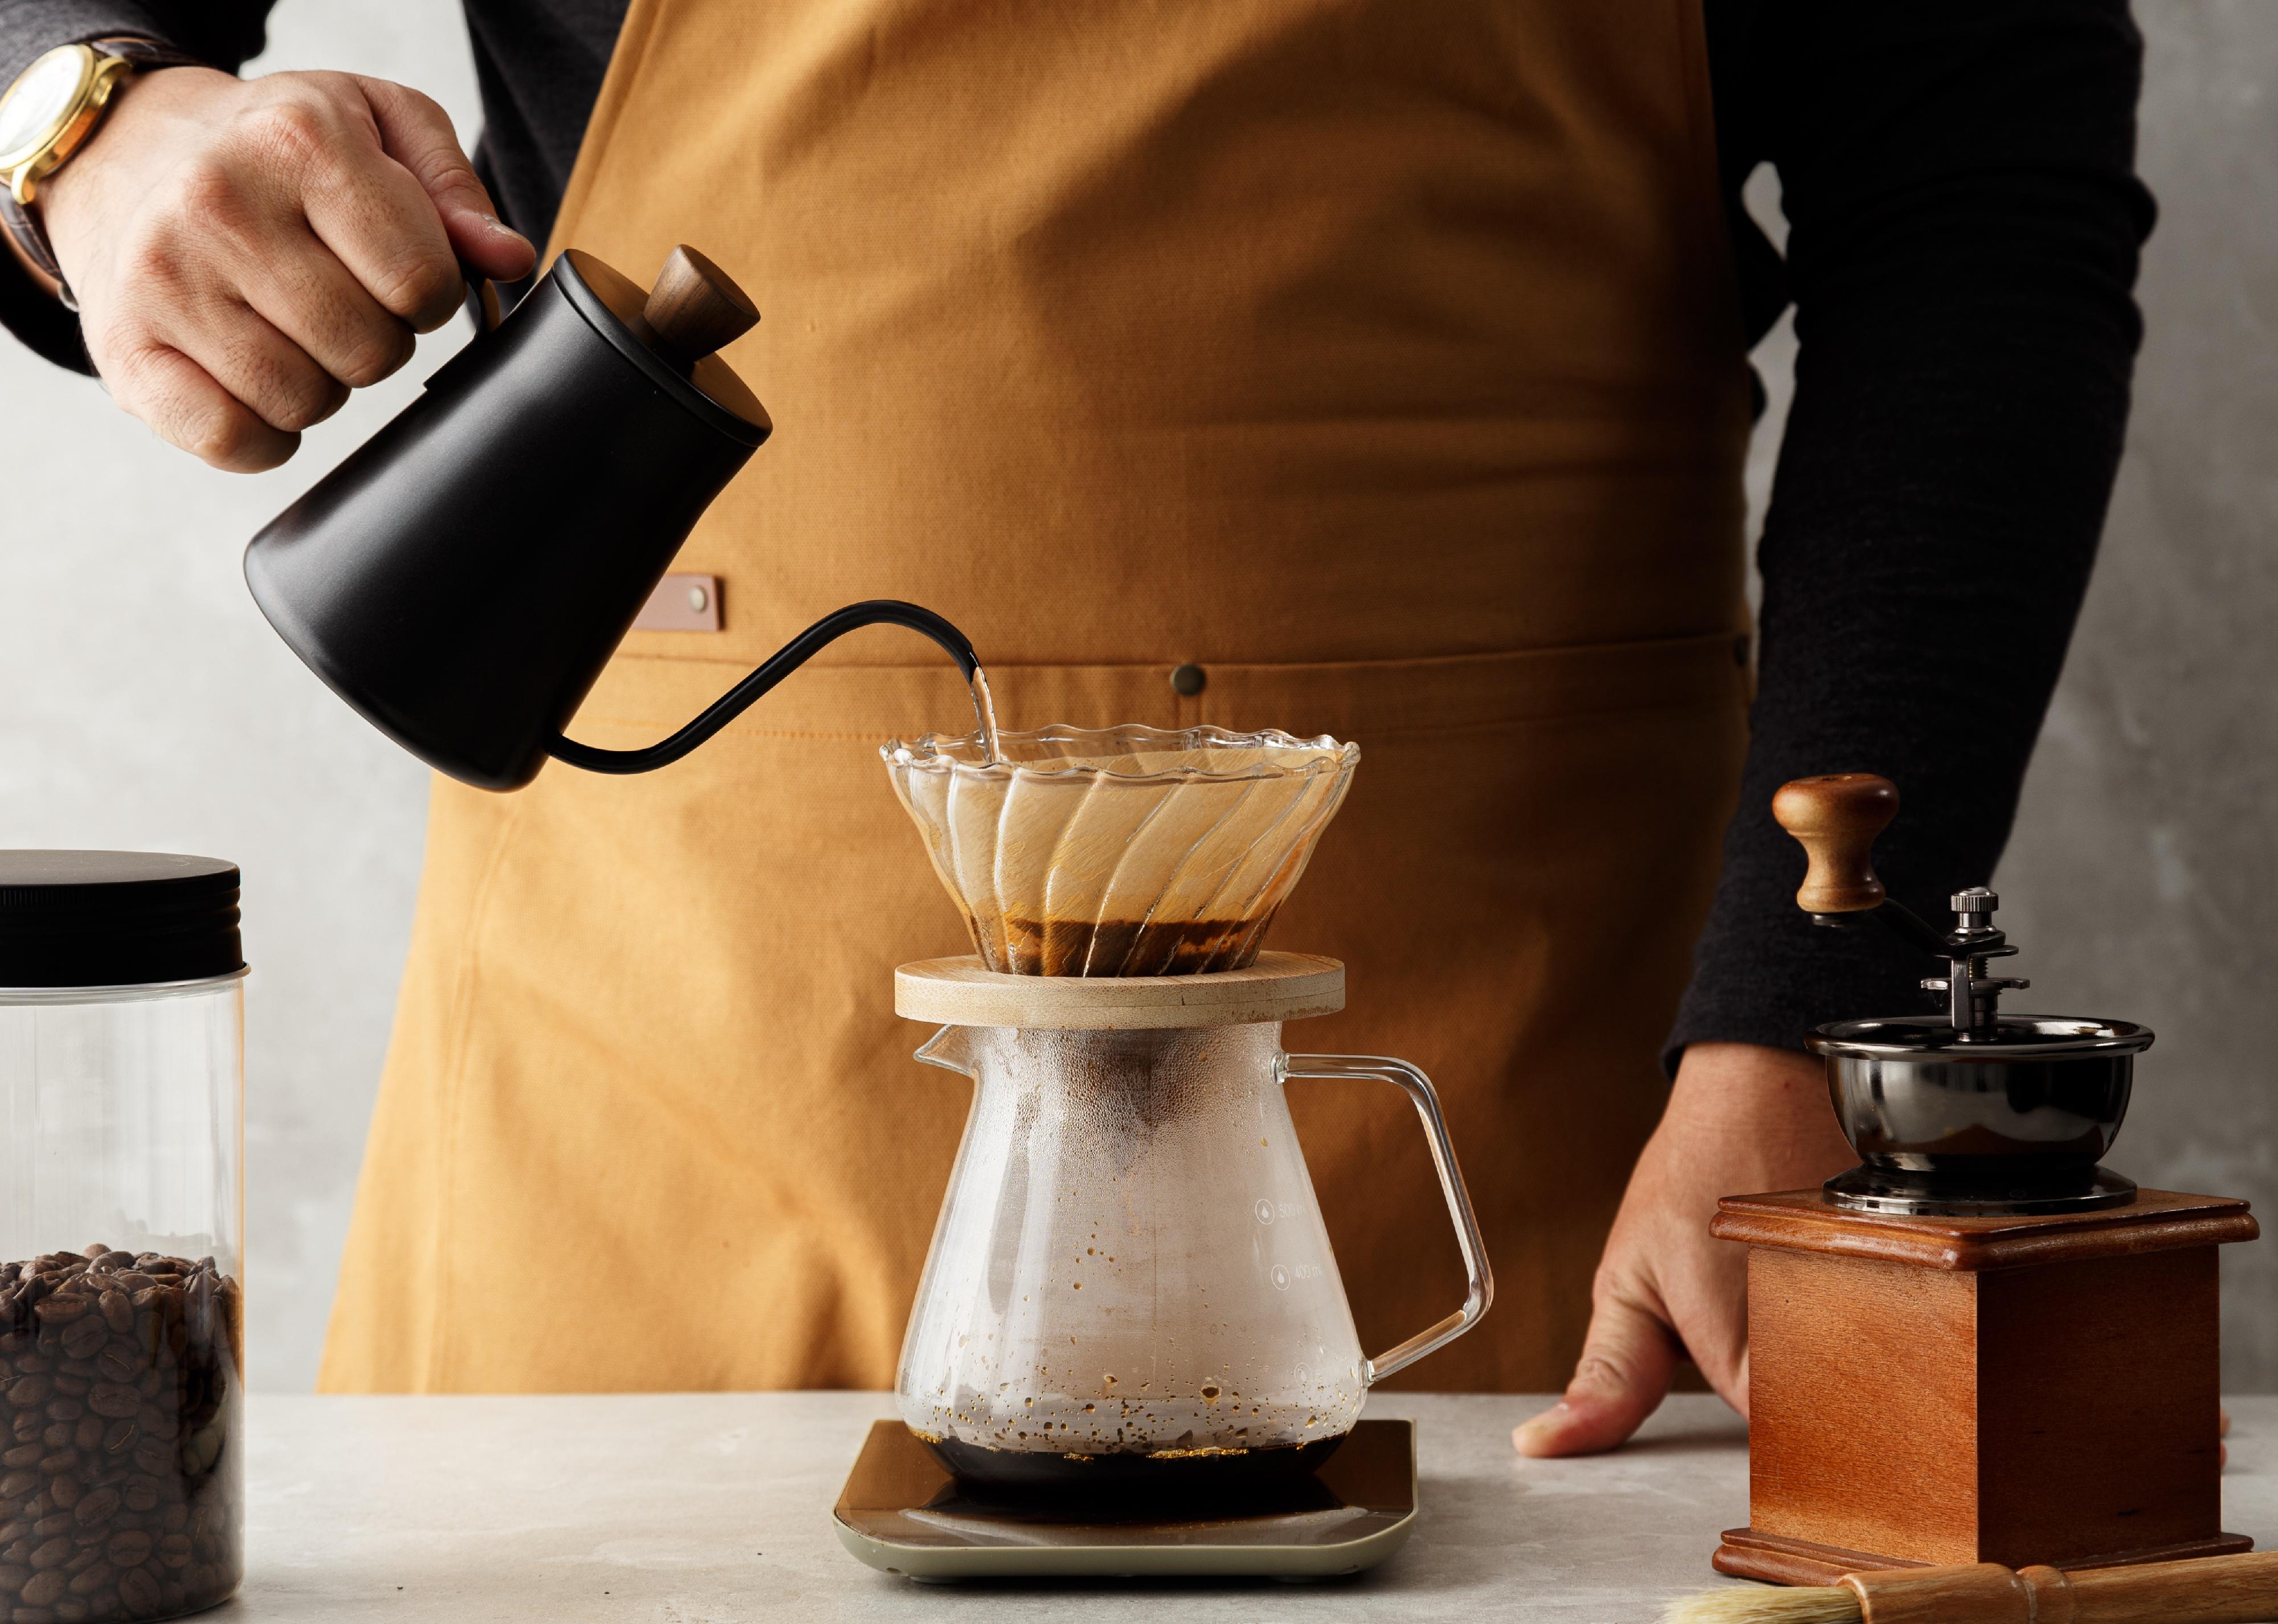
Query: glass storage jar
x=121 y=1218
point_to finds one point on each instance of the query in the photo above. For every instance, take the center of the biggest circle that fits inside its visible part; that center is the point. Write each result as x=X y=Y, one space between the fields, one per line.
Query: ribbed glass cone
x=1125 y=851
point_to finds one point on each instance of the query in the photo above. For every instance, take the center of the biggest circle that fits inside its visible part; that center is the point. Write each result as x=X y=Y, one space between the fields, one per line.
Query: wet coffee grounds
x=120 y=1417
x=1121 y=946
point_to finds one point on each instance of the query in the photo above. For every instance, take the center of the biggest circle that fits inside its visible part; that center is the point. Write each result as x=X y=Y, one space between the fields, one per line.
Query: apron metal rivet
x=1189 y=680
x=697 y=599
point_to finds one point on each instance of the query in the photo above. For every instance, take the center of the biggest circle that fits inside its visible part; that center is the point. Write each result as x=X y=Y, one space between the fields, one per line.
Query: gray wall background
x=143 y=702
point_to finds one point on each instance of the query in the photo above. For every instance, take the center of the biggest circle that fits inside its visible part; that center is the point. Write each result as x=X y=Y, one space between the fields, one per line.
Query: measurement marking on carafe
x=1264 y=1209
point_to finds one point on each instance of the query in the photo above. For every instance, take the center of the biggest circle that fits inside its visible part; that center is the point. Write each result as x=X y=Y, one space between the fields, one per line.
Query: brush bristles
x=1762 y=1604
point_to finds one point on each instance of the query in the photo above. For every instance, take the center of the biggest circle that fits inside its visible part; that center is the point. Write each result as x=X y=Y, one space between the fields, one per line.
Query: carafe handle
x=1480 y=1290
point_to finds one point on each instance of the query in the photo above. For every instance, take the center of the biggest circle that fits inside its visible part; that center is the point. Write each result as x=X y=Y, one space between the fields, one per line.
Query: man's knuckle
x=1600 y=1368
x=375 y=355
x=210 y=193
x=292 y=130
x=212 y=433
x=414 y=286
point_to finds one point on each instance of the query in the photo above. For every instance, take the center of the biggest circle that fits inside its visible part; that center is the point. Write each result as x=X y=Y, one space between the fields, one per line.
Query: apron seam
x=455 y=1071
x=1543 y=651
x=1423 y=730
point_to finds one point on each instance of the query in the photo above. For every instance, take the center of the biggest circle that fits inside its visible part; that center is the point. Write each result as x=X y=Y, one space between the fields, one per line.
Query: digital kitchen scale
x=902 y=1512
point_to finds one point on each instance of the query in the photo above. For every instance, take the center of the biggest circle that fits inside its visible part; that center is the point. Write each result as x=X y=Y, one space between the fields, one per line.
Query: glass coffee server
x=121 y=1224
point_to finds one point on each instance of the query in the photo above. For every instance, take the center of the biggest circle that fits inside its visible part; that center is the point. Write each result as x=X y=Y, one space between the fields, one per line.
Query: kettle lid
x=672 y=331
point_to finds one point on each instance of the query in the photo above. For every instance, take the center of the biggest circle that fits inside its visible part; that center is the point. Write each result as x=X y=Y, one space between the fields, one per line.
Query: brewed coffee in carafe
x=1130 y=1290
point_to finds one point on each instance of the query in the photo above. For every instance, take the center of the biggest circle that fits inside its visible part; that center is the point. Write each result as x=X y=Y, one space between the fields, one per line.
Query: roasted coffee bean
x=117 y=1480
x=138 y=1591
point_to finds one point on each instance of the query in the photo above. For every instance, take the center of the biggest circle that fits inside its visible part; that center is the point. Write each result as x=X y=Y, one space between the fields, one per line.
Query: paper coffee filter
x=1128 y=851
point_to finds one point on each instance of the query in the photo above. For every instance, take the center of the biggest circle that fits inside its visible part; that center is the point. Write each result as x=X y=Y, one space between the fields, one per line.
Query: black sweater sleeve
x=1964 y=224
x=222 y=32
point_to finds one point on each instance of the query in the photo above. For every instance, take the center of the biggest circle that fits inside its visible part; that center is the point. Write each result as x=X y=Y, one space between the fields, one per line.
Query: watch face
x=42 y=101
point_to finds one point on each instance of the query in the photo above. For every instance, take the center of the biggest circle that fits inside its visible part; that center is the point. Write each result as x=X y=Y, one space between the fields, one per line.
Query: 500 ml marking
x=1265 y=1212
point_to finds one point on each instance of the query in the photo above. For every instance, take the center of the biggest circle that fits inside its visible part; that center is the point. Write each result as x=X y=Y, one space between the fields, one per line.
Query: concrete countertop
x=715 y=1508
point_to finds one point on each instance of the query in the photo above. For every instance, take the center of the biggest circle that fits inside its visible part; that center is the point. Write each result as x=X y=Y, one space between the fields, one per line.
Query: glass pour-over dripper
x=1124 y=851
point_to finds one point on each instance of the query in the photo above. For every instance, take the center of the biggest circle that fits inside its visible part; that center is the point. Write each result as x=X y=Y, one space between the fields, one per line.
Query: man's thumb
x=1628 y=1360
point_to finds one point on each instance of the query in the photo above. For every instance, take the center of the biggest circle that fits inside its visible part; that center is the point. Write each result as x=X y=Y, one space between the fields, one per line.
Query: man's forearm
x=1964 y=226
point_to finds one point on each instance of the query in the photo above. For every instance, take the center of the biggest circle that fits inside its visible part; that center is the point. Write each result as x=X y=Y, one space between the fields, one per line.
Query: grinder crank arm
x=1836 y=818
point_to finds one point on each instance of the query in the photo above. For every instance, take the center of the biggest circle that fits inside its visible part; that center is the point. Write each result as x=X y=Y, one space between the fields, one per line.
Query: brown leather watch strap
x=23 y=224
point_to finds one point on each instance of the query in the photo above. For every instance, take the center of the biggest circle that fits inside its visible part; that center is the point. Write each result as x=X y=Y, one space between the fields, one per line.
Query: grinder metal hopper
x=1125 y=851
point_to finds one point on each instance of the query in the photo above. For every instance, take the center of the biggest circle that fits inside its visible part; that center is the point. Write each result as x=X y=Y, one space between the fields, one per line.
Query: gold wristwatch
x=47 y=115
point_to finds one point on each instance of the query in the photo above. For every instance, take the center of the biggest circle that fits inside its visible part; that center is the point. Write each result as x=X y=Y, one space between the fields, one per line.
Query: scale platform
x=902 y=1512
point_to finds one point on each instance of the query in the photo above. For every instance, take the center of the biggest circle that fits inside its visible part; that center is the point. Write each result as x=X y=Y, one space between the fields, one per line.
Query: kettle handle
x=1480 y=1292
x=782 y=663
x=482 y=299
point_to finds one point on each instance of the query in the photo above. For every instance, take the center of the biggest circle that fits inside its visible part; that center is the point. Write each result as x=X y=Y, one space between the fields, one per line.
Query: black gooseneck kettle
x=462 y=578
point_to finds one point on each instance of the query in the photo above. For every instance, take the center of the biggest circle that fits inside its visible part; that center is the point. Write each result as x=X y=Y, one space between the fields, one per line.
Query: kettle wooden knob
x=1836 y=817
x=695 y=307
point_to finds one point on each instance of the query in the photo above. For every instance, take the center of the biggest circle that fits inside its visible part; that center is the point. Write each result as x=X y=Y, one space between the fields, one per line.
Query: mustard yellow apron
x=1378 y=357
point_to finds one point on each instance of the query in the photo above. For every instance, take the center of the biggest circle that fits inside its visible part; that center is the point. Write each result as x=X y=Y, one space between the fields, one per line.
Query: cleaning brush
x=2231 y=1589
x=1757 y=1606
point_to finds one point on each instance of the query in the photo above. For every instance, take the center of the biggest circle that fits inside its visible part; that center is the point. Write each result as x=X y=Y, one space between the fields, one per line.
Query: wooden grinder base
x=2021 y=1391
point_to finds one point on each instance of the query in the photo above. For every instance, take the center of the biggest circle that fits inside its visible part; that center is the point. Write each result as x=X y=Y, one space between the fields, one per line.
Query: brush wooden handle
x=2229 y=1590
x=1836 y=818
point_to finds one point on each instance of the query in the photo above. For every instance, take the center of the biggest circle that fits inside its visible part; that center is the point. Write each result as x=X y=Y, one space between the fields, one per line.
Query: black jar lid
x=110 y=919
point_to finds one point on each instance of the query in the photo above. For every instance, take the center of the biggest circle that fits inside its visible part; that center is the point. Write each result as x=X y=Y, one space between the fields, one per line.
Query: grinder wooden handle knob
x=696 y=307
x=1836 y=818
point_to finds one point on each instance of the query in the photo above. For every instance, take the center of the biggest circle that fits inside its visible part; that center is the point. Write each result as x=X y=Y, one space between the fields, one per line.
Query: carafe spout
x=952 y=1049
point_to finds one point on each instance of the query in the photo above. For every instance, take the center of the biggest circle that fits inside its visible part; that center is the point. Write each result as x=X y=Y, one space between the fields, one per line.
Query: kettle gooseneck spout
x=782 y=663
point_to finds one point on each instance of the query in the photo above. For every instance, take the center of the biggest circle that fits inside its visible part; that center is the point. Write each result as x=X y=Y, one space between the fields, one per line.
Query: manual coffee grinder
x=1978 y=1345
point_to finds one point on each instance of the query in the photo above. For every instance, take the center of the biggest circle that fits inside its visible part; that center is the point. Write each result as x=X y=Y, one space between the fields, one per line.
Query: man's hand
x=246 y=252
x=1740 y=1120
